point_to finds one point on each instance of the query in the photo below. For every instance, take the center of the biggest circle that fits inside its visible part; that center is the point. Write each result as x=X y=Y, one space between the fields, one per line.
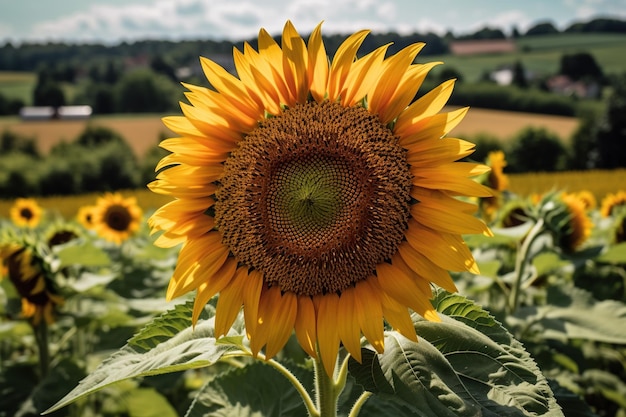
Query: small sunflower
x=612 y=201
x=116 y=218
x=59 y=233
x=588 y=199
x=317 y=194
x=578 y=228
x=85 y=216
x=26 y=212
x=26 y=272
x=497 y=179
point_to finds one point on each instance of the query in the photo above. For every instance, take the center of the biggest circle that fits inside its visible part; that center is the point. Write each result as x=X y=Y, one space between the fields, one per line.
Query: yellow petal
x=251 y=298
x=230 y=301
x=277 y=315
x=436 y=126
x=198 y=261
x=364 y=74
x=209 y=288
x=305 y=325
x=369 y=314
x=295 y=63
x=347 y=323
x=342 y=61
x=318 y=65
x=327 y=334
x=428 y=105
x=426 y=268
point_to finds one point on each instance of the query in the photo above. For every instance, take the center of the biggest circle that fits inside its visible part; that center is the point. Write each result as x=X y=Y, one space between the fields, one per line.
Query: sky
x=114 y=21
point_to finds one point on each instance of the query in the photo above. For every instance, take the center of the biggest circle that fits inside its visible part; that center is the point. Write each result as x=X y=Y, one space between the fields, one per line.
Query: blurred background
x=90 y=81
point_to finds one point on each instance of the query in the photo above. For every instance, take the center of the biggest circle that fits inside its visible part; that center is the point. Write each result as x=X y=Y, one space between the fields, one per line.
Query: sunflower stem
x=521 y=262
x=326 y=390
x=43 y=350
x=306 y=398
x=356 y=408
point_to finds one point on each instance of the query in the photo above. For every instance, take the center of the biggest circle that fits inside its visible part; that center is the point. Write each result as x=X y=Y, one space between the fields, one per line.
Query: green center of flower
x=315 y=198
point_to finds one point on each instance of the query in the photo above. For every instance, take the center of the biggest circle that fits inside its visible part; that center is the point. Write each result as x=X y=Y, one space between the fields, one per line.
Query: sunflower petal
x=327 y=334
x=305 y=325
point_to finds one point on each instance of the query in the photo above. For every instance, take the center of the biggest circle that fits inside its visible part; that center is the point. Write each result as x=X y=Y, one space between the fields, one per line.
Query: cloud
x=217 y=19
x=505 y=21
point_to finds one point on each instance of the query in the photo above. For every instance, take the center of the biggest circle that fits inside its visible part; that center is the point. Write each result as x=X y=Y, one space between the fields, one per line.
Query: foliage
x=489 y=95
x=555 y=345
x=536 y=149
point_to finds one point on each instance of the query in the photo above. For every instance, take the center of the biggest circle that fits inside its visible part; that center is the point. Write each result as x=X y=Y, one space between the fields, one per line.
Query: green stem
x=325 y=390
x=308 y=402
x=41 y=337
x=356 y=408
x=522 y=261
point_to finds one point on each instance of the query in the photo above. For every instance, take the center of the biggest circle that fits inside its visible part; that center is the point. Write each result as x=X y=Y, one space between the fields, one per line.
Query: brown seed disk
x=315 y=198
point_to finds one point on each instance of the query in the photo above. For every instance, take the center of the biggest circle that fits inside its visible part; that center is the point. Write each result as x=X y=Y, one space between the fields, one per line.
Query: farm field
x=143 y=131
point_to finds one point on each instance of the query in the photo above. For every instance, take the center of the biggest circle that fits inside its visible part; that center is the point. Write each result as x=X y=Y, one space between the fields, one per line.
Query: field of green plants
x=552 y=275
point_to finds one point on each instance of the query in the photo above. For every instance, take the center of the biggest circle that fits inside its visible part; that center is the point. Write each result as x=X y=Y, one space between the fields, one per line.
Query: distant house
x=482 y=46
x=564 y=85
x=49 y=112
x=37 y=112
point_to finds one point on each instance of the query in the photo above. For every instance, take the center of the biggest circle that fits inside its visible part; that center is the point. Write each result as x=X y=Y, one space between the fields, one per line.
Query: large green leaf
x=169 y=345
x=573 y=313
x=86 y=255
x=251 y=391
x=467 y=365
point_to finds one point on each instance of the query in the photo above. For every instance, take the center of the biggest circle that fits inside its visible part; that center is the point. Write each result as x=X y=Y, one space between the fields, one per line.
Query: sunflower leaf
x=467 y=365
x=179 y=348
x=85 y=255
x=254 y=390
x=573 y=313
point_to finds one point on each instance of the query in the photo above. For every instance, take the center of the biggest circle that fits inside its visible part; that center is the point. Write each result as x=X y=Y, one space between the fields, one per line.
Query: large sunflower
x=116 y=218
x=316 y=194
x=26 y=212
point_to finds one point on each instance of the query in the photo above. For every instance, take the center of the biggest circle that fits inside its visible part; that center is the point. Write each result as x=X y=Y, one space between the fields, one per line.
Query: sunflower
x=579 y=226
x=60 y=232
x=588 y=199
x=116 y=218
x=85 y=216
x=317 y=195
x=612 y=201
x=26 y=212
x=497 y=179
x=25 y=270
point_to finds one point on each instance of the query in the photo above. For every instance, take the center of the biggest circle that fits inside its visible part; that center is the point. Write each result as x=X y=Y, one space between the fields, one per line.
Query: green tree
x=612 y=130
x=144 y=91
x=581 y=65
x=536 y=149
x=519 y=75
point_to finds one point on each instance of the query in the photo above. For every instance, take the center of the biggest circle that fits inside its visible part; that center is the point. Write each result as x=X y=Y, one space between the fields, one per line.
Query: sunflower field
x=318 y=247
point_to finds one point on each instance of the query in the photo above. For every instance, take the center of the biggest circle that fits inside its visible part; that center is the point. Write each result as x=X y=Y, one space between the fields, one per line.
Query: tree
x=519 y=75
x=612 y=131
x=48 y=92
x=536 y=150
x=581 y=65
x=542 y=28
x=144 y=91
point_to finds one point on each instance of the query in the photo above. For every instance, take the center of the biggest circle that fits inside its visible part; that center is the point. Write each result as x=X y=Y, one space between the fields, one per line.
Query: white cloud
x=505 y=21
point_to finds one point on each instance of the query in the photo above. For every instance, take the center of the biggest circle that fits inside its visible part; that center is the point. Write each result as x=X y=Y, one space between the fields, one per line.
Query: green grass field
x=542 y=54
x=17 y=85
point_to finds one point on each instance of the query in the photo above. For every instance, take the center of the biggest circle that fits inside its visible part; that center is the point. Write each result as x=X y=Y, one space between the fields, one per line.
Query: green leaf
x=147 y=402
x=252 y=391
x=85 y=255
x=167 y=346
x=615 y=254
x=573 y=313
x=467 y=365
x=164 y=327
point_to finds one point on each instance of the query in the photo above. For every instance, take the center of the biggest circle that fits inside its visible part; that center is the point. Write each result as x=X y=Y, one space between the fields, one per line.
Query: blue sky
x=112 y=21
